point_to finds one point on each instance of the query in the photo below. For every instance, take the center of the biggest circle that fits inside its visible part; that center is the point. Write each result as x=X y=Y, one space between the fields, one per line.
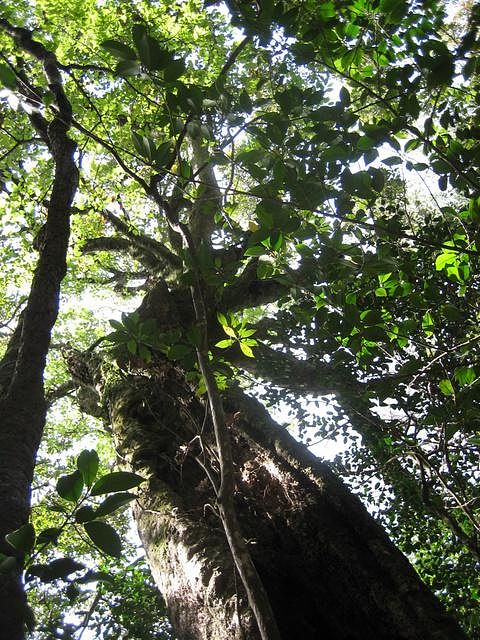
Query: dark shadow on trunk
x=328 y=567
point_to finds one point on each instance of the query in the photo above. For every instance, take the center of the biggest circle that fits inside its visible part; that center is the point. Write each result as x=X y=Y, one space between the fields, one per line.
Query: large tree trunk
x=330 y=571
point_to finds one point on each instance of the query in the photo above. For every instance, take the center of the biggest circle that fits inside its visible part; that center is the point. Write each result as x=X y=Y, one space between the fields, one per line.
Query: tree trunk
x=22 y=402
x=329 y=569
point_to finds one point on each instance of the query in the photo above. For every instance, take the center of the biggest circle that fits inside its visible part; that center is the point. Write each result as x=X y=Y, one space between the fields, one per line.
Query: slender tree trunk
x=22 y=402
x=329 y=569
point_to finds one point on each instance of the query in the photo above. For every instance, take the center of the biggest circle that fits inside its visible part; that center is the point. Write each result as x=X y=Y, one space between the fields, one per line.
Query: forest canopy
x=209 y=204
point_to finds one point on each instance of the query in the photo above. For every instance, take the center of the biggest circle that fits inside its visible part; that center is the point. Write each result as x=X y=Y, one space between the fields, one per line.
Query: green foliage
x=22 y=539
x=104 y=537
x=135 y=336
x=238 y=334
x=87 y=463
x=116 y=481
x=322 y=133
x=70 y=488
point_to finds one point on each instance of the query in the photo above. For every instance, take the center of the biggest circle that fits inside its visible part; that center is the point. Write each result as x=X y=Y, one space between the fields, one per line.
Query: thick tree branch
x=233 y=57
x=301 y=376
x=247 y=291
x=208 y=201
x=320 y=378
x=122 y=245
x=146 y=243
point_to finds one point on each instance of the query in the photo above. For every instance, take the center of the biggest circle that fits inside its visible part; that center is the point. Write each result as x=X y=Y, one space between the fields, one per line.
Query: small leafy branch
x=238 y=333
x=136 y=336
x=150 y=56
x=79 y=488
x=143 y=338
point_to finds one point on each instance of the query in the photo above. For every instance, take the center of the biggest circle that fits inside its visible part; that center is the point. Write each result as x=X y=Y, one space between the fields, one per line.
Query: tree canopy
x=309 y=171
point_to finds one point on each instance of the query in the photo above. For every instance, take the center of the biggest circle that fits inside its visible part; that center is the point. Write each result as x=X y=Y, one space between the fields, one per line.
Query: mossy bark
x=329 y=569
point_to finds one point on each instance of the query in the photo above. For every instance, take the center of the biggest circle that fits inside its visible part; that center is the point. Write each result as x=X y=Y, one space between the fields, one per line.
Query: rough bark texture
x=22 y=400
x=329 y=569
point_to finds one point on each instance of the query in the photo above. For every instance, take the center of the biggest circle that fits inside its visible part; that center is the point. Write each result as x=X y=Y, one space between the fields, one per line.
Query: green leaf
x=119 y=50
x=364 y=143
x=49 y=535
x=224 y=344
x=395 y=10
x=144 y=353
x=374 y=333
x=179 y=351
x=222 y=319
x=22 y=539
x=87 y=464
x=7 y=77
x=175 y=69
x=391 y=161
x=246 y=333
x=70 y=487
x=185 y=169
x=131 y=320
x=326 y=10
x=439 y=63
x=427 y=321
x=139 y=32
x=359 y=184
x=163 y=154
x=84 y=514
x=152 y=55
x=303 y=52
x=116 y=481
x=344 y=94
x=57 y=569
x=378 y=178
x=445 y=259
x=115 y=324
x=255 y=251
x=289 y=99
x=352 y=30
x=132 y=346
x=412 y=144
x=245 y=102
x=144 y=145
x=112 y=503
x=104 y=537
x=246 y=350
x=229 y=331
x=446 y=387
x=465 y=375
x=371 y=316
x=126 y=68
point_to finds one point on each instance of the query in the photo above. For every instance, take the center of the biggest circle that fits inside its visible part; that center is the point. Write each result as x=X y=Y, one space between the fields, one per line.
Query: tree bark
x=329 y=569
x=22 y=400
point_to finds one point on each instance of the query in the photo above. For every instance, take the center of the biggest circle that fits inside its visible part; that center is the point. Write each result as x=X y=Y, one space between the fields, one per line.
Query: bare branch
x=65 y=389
